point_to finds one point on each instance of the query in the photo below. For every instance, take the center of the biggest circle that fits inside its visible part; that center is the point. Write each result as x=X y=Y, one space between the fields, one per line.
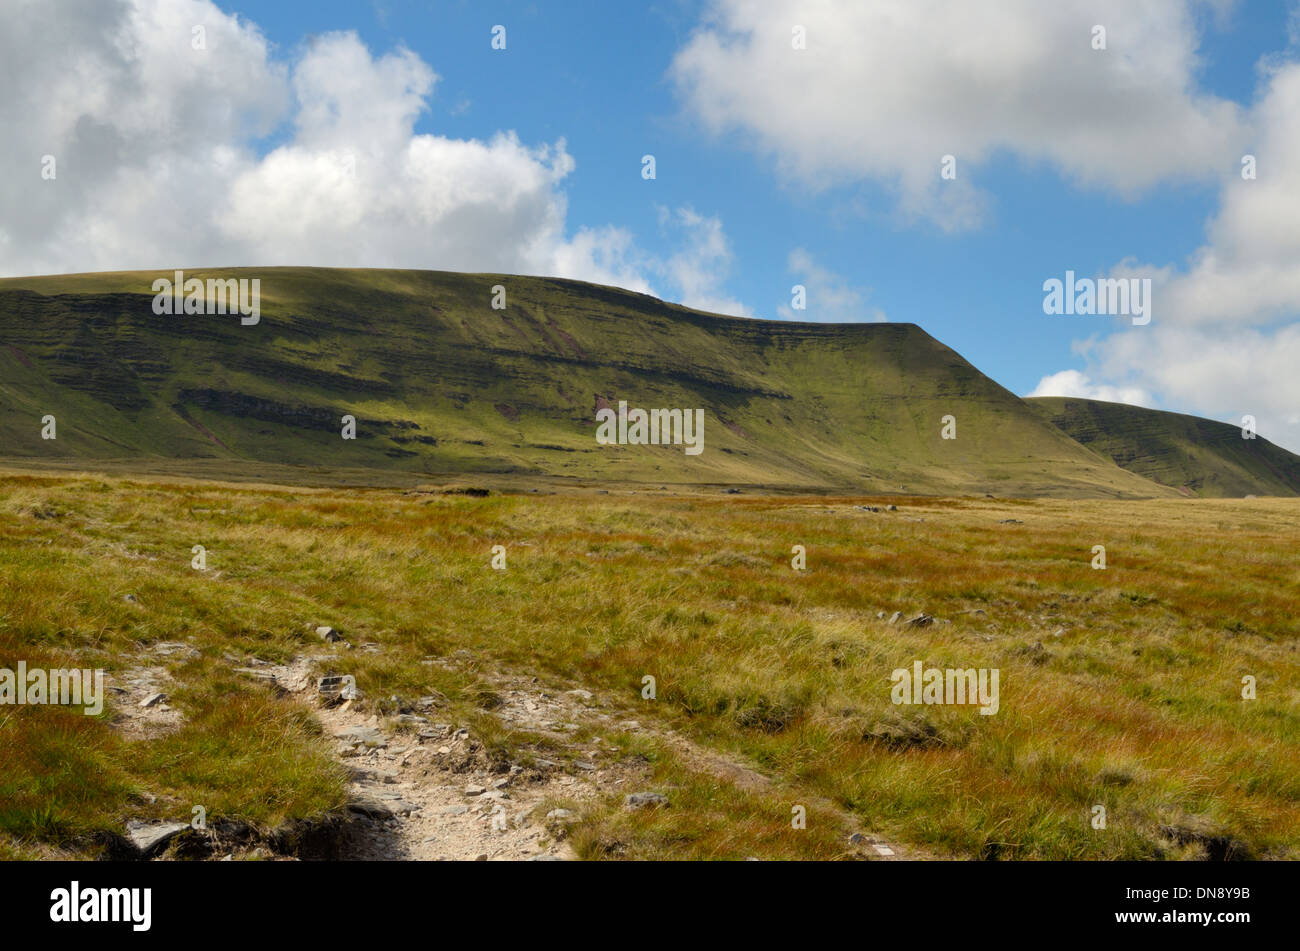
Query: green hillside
x=441 y=384
x=1199 y=456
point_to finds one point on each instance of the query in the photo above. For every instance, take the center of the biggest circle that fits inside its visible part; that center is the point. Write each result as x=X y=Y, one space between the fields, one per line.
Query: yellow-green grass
x=1136 y=705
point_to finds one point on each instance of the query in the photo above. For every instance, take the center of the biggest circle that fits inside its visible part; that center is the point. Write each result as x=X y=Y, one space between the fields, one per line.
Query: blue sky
x=595 y=73
x=1123 y=161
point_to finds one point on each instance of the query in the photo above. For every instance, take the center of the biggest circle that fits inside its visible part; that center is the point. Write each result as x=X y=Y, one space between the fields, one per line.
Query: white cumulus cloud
x=883 y=90
x=155 y=113
x=1224 y=338
x=1077 y=384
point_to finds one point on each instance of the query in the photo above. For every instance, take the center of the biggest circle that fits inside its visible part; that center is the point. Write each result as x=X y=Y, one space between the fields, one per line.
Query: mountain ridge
x=1199 y=456
x=442 y=385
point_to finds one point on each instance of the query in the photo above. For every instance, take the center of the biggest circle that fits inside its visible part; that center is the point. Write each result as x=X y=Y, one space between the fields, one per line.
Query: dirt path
x=427 y=790
x=434 y=794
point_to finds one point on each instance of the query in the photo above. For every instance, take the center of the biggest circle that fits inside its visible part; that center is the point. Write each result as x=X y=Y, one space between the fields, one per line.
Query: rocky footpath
x=426 y=788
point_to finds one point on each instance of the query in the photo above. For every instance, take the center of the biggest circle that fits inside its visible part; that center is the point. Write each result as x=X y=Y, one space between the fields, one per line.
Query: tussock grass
x=1119 y=688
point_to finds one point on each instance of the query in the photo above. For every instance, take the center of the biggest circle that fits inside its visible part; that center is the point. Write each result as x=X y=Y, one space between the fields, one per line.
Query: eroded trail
x=423 y=789
x=435 y=794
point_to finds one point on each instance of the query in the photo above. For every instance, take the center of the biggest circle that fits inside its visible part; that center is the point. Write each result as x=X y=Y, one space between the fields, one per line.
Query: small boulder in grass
x=642 y=800
x=327 y=633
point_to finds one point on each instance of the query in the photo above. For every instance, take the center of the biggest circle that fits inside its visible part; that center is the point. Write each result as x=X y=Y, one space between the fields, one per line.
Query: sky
x=795 y=142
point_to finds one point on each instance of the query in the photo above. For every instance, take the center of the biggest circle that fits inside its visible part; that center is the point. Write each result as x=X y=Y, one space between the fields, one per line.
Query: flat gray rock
x=150 y=838
x=173 y=647
x=371 y=807
x=364 y=736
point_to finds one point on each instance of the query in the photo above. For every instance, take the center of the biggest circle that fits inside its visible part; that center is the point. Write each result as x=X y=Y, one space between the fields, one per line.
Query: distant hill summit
x=1199 y=456
x=442 y=383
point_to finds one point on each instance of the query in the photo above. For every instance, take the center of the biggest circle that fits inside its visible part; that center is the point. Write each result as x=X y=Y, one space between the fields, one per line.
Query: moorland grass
x=1119 y=687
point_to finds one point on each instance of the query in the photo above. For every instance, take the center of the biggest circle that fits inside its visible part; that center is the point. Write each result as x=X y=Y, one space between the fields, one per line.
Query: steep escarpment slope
x=1200 y=456
x=442 y=383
